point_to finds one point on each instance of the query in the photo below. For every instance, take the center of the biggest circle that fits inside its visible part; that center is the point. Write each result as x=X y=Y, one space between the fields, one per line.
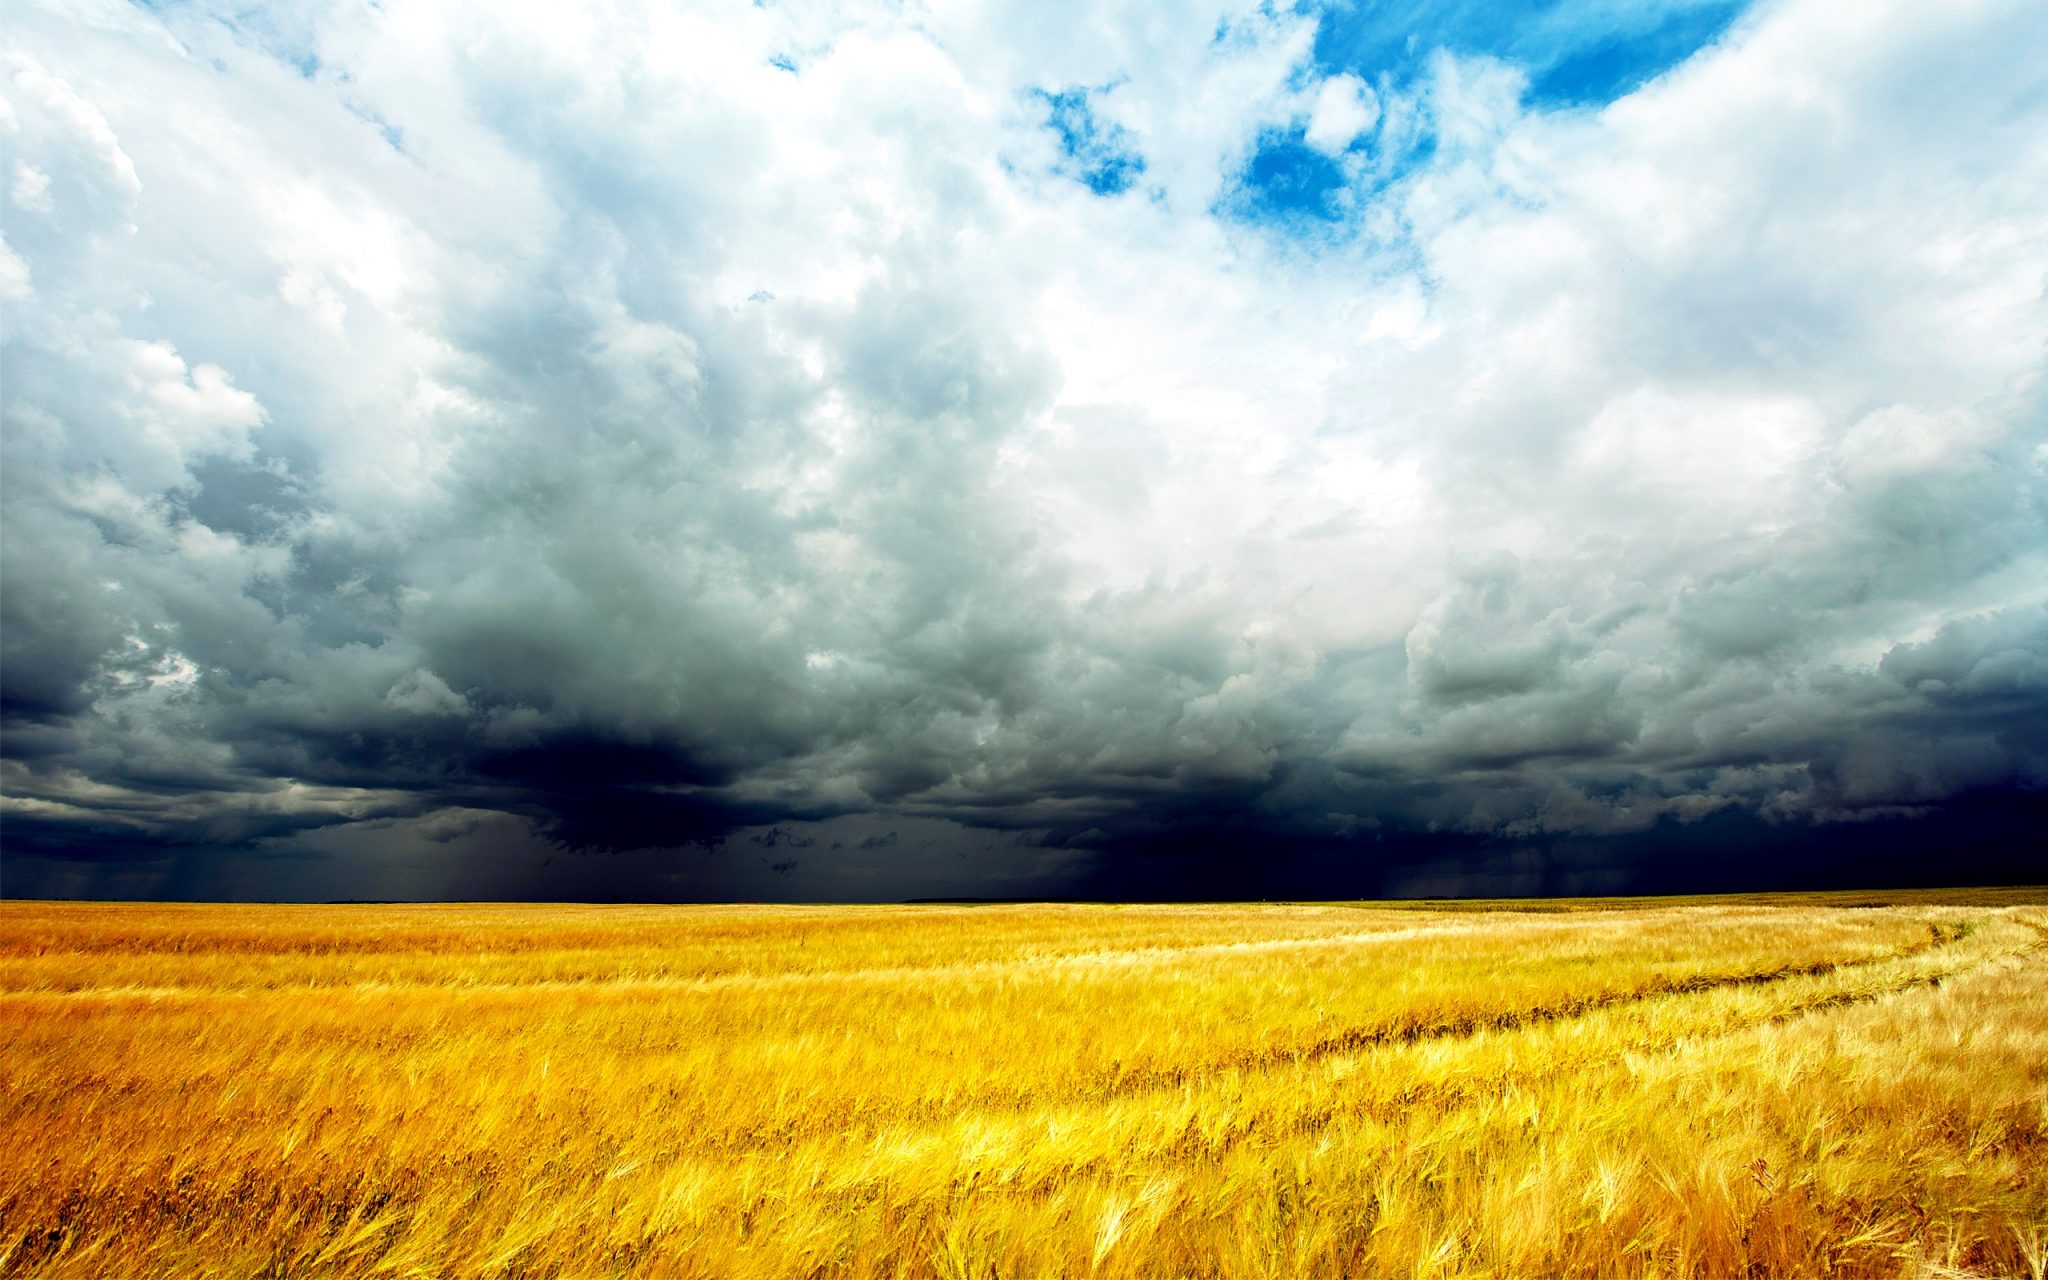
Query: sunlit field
x=1849 y=1085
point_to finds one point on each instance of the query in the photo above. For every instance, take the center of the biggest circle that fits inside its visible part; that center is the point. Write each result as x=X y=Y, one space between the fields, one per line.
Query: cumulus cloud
x=632 y=430
x=1345 y=106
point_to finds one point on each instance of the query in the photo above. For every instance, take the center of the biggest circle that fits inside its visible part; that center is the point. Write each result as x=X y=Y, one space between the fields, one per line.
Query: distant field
x=1851 y=1085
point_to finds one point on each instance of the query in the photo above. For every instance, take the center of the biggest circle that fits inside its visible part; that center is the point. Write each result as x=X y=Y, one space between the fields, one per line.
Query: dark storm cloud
x=660 y=453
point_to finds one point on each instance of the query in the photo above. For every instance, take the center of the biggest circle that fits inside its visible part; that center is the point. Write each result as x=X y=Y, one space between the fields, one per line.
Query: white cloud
x=187 y=411
x=1345 y=107
x=15 y=285
x=31 y=190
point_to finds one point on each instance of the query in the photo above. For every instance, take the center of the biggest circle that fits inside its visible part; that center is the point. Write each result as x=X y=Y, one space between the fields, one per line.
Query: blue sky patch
x=1576 y=52
x=1599 y=72
x=1102 y=155
x=1287 y=179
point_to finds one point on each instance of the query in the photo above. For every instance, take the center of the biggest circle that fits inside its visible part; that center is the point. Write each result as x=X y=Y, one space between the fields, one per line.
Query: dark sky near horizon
x=865 y=451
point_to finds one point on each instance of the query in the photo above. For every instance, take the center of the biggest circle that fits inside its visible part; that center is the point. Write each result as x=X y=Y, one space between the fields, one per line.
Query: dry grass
x=1784 y=1087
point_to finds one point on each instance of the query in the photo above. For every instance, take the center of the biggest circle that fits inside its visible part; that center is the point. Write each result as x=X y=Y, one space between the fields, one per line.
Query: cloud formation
x=968 y=452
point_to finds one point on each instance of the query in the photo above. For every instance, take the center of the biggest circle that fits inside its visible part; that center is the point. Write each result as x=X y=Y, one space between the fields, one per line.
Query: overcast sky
x=866 y=451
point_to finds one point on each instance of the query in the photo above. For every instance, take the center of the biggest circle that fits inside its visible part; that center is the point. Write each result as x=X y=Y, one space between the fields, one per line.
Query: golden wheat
x=1800 y=1086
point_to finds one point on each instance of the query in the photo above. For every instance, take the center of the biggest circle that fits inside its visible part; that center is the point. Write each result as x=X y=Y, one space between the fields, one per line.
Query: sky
x=877 y=451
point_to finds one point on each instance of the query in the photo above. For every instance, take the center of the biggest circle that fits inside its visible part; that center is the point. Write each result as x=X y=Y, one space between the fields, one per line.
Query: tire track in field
x=1127 y=1082
x=1392 y=1035
x=1821 y=1002
x=1034 y=1111
x=1445 y=1095
x=1451 y=1093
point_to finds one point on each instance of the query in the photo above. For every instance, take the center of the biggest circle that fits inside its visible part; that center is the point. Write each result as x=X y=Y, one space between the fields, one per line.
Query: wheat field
x=1848 y=1085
